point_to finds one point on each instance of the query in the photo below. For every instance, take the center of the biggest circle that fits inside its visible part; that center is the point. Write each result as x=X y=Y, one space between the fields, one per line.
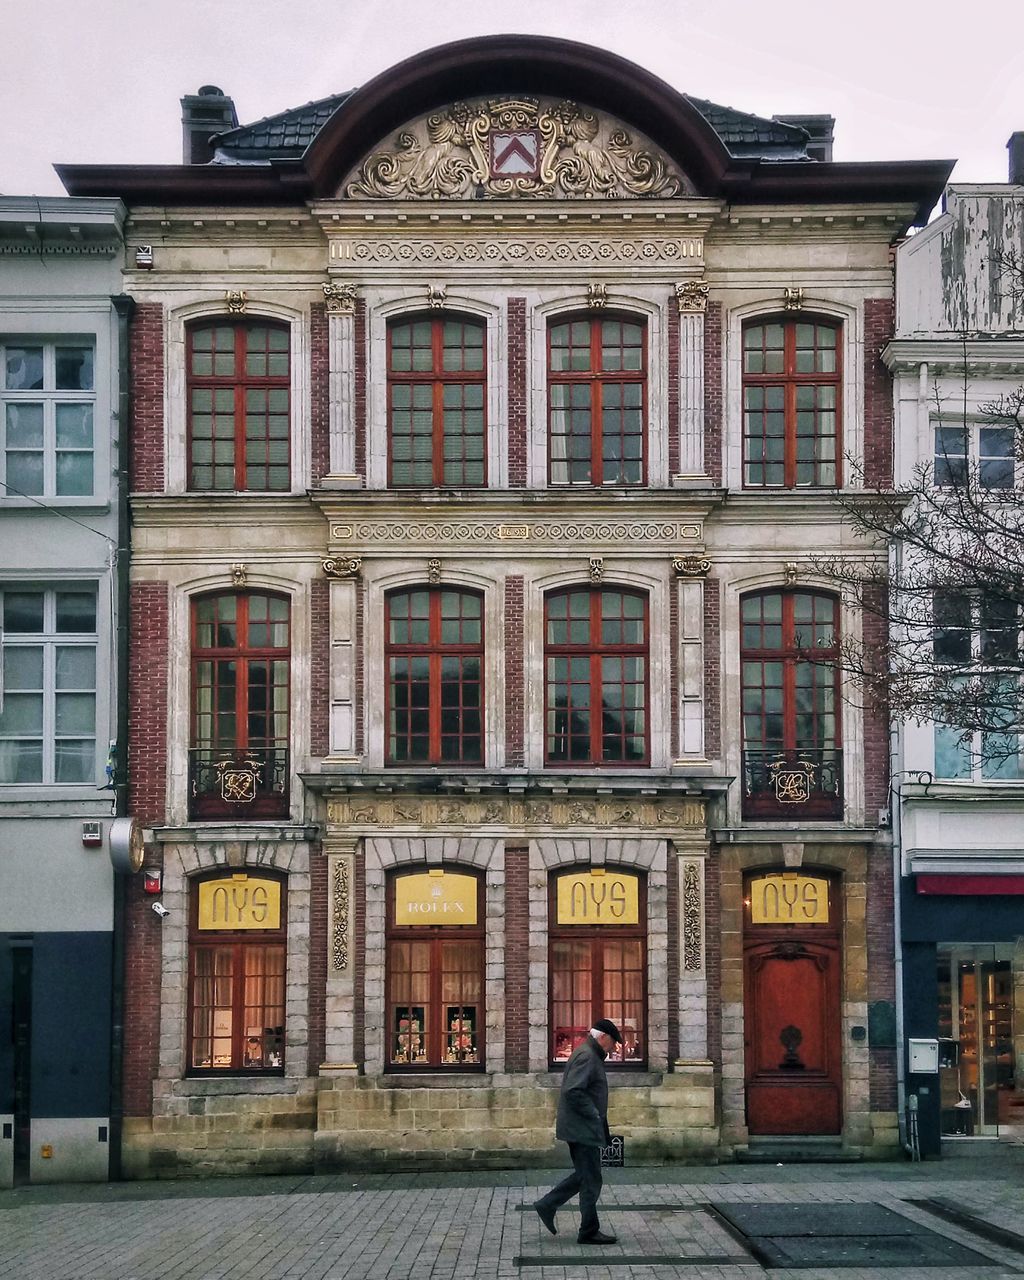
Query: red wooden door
x=793 y=1066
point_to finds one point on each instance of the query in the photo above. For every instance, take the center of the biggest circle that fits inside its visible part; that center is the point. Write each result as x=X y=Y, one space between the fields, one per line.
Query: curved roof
x=306 y=153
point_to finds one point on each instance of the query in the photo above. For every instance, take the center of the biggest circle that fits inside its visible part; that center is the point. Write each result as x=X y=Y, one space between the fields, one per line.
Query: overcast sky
x=99 y=81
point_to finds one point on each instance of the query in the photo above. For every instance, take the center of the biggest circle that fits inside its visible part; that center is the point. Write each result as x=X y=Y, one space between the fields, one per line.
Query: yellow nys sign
x=240 y=902
x=787 y=897
x=598 y=897
x=436 y=897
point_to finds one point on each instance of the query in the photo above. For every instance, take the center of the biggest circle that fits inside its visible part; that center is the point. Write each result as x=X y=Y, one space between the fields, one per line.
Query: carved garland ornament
x=341 y=892
x=340 y=298
x=513 y=147
x=358 y=811
x=343 y=566
x=693 y=918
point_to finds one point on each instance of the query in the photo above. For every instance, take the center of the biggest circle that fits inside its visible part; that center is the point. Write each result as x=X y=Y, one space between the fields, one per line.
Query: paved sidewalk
x=464 y=1226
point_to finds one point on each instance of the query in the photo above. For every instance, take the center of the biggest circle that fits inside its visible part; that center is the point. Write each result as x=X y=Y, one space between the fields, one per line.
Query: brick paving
x=462 y=1226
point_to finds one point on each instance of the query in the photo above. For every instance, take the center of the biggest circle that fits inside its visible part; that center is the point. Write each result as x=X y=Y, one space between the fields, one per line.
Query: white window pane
x=22 y=713
x=76 y=667
x=25 y=473
x=21 y=761
x=74 y=426
x=24 y=369
x=74 y=475
x=74 y=368
x=23 y=668
x=952 y=756
x=24 y=426
x=76 y=713
x=75 y=760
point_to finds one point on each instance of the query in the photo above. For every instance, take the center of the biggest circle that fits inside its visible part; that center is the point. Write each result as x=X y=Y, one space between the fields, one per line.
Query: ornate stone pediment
x=516 y=147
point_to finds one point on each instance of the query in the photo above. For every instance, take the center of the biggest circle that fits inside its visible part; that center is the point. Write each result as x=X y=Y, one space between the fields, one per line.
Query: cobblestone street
x=693 y=1222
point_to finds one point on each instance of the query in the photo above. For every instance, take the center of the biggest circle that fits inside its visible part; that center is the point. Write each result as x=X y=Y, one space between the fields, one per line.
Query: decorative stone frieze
x=518 y=250
x=528 y=813
x=379 y=532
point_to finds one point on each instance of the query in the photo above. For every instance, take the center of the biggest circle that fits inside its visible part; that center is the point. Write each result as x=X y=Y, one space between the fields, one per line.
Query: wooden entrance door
x=792 y=1021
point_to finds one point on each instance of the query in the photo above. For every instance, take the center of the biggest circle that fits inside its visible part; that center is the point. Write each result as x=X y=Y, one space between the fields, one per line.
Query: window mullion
x=437 y=432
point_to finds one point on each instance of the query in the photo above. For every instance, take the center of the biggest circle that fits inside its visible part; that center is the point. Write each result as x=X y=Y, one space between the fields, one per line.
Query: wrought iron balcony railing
x=250 y=783
x=793 y=784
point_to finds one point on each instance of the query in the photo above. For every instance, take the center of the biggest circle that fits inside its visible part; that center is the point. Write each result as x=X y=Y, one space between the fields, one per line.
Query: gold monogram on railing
x=793 y=780
x=238 y=779
x=514 y=147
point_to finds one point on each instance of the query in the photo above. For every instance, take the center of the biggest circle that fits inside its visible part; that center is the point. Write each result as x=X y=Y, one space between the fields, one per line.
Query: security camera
x=161 y=910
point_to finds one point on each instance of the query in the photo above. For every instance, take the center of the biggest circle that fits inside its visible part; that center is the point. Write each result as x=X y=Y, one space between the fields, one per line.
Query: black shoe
x=547 y=1216
x=599 y=1237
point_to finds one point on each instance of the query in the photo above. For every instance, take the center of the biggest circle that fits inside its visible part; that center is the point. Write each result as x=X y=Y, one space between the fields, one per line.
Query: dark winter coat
x=583 y=1102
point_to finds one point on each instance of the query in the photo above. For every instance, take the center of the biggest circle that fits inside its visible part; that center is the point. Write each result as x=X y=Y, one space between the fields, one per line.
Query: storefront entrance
x=792 y=961
x=976 y=1029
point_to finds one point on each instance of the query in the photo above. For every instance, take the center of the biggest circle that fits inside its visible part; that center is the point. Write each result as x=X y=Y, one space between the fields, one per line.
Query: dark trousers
x=585 y=1179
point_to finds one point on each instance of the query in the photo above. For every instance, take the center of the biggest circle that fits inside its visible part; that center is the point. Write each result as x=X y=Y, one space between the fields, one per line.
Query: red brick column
x=147 y=773
x=673 y=389
x=517 y=960
x=320 y=666
x=319 y=392
x=359 y=328
x=318 y=899
x=146 y=353
x=516 y=393
x=712 y=669
x=713 y=394
x=879 y=320
x=515 y=707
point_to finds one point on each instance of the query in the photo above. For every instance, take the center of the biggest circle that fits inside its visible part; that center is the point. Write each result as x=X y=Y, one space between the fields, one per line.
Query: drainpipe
x=896 y=826
x=123 y=308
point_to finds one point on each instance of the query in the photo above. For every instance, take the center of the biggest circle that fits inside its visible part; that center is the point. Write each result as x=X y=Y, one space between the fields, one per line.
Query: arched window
x=238 y=406
x=597 y=401
x=435 y=970
x=792 y=382
x=595 y=659
x=236 y=974
x=792 y=763
x=240 y=705
x=437 y=384
x=434 y=654
x=597 y=939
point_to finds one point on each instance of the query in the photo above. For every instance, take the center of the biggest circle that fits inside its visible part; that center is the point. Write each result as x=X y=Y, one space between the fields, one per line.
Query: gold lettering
x=260 y=904
x=598 y=897
x=578 y=887
x=618 y=899
x=812 y=906
x=790 y=892
x=771 y=901
x=219 y=914
x=239 y=902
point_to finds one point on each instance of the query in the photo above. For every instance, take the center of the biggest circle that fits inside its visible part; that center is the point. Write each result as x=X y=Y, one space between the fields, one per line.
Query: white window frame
x=49 y=639
x=50 y=397
x=972 y=426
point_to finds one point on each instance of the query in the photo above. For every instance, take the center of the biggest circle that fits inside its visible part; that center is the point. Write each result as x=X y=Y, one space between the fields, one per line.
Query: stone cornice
x=946 y=353
x=184 y=510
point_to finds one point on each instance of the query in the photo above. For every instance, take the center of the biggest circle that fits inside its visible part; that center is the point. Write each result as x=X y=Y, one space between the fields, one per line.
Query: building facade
x=484 y=421
x=957 y=351
x=60 y=555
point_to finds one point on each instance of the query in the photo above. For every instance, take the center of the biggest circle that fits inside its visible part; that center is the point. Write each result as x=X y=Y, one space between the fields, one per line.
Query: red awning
x=967 y=884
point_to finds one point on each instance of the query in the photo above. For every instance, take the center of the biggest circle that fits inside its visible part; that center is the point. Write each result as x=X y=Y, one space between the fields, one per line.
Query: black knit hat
x=609 y=1028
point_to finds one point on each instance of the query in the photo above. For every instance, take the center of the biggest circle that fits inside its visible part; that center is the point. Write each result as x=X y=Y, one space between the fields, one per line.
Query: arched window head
x=437 y=384
x=238 y=375
x=792 y=385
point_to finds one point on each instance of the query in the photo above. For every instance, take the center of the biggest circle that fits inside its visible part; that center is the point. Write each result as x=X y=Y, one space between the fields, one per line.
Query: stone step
x=785 y=1149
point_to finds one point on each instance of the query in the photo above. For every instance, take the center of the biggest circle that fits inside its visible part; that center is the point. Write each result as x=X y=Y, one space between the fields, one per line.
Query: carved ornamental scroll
x=512 y=148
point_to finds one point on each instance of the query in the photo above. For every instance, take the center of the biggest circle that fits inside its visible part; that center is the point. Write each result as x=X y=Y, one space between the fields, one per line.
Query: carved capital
x=691 y=566
x=340 y=298
x=235 y=301
x=437 y=296
x=434 y=571
x=239 y=575
x=691 y=295
x=596 y=568
x=597 y=296
x=343 y=566
x=792 y=299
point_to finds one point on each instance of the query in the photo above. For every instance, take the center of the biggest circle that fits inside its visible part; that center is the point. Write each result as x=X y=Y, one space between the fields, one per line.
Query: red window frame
x=595 y=650
x=241 y=384
x=439 y=381
x=271 y=798
x=590 y=386
x=436 y=1037
x=437 y=652
x=595 y=945
x=801 y=449
x=237 y=947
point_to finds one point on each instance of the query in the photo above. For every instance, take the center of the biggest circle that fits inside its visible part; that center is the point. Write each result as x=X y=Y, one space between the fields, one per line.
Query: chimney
x=203 y=115
x=1016 y=149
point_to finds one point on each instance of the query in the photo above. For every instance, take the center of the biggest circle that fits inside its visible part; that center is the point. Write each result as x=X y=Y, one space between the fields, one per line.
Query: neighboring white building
x=959 y=346
x=60 y=269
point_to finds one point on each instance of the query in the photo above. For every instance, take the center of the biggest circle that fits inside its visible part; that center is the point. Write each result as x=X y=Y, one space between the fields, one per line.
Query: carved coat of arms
x=511 y=148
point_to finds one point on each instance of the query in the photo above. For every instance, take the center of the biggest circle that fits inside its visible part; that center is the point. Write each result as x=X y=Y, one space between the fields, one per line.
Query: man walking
x=583 y=1123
